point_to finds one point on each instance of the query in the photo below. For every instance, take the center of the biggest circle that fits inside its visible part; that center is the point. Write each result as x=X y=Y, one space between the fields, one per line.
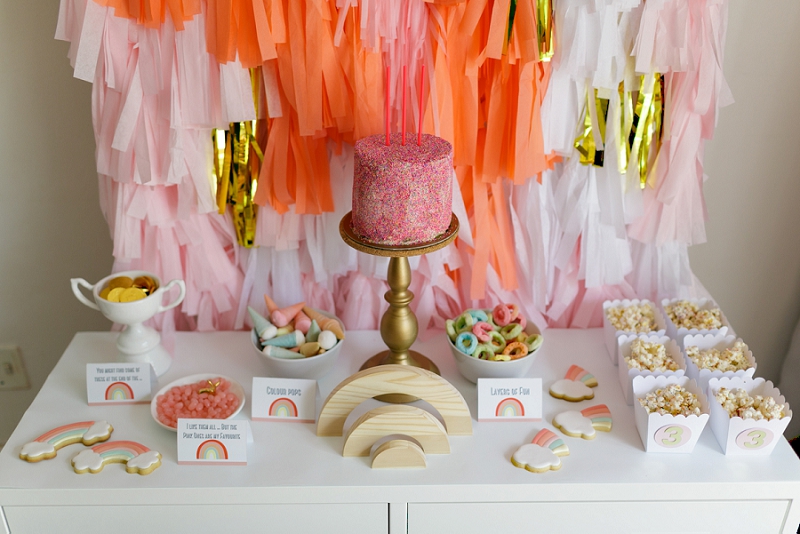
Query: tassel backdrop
x=224 y=132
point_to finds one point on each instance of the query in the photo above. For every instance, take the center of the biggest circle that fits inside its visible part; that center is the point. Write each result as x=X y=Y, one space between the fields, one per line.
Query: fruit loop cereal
x=650 y=356
x=639 y=318
x=687 y=314
x=496 y=335
x=739 y=403
x=206 y=399
x=671 y=400
x=730 y=359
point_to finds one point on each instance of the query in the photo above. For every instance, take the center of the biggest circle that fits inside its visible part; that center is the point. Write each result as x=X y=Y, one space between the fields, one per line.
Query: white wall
x=751 y=263
x=51 y=228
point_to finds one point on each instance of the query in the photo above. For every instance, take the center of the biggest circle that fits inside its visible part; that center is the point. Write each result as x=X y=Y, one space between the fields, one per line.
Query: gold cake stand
x=399 y=324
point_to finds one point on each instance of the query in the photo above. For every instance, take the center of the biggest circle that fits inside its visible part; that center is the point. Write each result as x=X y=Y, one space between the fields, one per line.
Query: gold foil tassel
x=544 y=29
x=645 y=137
x=236 y=172
x=589 y=142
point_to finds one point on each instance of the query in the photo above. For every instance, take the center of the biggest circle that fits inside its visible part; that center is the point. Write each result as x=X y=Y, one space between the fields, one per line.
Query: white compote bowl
x=137 y=343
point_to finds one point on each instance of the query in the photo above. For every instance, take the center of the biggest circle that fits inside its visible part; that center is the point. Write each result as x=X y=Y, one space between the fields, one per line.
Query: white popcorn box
x=750 y=437
x=719 y=342
x=679 y=333
x=627 y=375
x=611 y=334
x=668 y=433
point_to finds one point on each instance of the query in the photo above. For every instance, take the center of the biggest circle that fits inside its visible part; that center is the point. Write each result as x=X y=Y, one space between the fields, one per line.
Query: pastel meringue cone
x=287 y=341
x=262 y=326
x=302 y=322
x=284 y=316
x=313 y=331
x=280 y=352
x=325 y=322
x=334 y=326
x=271 y=306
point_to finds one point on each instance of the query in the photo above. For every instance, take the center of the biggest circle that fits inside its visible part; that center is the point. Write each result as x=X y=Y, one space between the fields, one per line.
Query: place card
x=291 y=400
x=119 y=383
x=212 y=441
x=509 y=399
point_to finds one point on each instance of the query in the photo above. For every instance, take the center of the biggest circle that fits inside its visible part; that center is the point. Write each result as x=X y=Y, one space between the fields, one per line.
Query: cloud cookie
x=583 y=424
x=542 y=454
x=136 y=457
x=45 y=446
x=575 y=386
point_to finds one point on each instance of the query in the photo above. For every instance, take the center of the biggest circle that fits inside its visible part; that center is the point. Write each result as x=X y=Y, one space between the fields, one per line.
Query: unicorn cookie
x=542 y=454
x=575 y=386
x=45 y=446
x=584 y=423
x=136 y=457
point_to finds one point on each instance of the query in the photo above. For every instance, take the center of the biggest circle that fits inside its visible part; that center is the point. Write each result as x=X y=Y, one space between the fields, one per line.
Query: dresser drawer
x=289 y=518
x=643 y=517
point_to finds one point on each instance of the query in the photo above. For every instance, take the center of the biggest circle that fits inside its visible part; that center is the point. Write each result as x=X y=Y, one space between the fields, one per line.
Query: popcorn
x=638 y=318
x=738 y=403
x=671 y=400
x=730 y=359
x=650 y=356
x=687 y=314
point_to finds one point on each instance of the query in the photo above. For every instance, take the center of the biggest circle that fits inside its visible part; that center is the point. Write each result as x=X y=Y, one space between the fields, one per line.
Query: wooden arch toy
x=396 y=419
x=398 y=453
x=388 y=379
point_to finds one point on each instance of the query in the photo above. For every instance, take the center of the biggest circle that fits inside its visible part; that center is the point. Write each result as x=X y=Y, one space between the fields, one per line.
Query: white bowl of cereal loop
x=206 y=395
x=670 y=412
x=128 y=297
x=630 y=316
x=748 y=415
x=692 y=317
x=282 y=354
x=473 y=367
x=643 y=355
x=717 y=356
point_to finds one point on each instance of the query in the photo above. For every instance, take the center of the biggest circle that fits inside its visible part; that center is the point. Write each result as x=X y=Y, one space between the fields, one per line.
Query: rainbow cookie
x=584 y=423
x=136 y=457
x=575 y=386
x=542 y=454
x=45 y=446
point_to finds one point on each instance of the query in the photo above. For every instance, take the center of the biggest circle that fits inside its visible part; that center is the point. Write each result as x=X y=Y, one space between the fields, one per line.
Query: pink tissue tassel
x=156 y=96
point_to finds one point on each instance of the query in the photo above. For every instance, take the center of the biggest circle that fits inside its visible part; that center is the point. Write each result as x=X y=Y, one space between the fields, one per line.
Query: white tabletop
x=288 y=463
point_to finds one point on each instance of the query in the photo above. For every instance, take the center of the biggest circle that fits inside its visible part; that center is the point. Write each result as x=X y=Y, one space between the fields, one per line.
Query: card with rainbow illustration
x=212 y=441
x=119 y=383
x=290 y=400
x=509 y=399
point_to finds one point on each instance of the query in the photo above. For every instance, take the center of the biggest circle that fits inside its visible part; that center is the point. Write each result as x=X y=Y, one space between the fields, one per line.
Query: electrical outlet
x=12 y=370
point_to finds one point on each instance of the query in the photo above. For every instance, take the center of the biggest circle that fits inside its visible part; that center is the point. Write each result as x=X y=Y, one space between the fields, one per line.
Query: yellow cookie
x=120 y=281
x=114 y=294
x=104 y=293
x=131 y=294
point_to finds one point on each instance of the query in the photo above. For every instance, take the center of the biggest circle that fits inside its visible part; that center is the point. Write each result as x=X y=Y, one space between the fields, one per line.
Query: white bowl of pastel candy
x=297 y=341
x=496 y=343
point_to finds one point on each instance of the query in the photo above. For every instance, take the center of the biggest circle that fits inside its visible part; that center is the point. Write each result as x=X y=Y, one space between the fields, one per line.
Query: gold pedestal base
x=399 y=324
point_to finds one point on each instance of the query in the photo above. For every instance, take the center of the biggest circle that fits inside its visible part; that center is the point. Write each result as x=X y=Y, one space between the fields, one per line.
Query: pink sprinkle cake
x=402 y=195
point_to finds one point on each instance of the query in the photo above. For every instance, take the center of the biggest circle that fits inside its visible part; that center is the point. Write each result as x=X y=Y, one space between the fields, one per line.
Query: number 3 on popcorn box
x=509 y=399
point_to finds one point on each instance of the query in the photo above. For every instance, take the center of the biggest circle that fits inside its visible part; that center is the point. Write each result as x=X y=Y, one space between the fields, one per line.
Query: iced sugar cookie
x=542 y=454
x=584 y=423
x=45 y=446
x=136 y=457
x=575 y=386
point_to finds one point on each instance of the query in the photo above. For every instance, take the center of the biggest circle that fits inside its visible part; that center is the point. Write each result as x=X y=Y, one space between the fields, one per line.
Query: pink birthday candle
x=388 y=93
x=421 y=86
x=403 y=119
